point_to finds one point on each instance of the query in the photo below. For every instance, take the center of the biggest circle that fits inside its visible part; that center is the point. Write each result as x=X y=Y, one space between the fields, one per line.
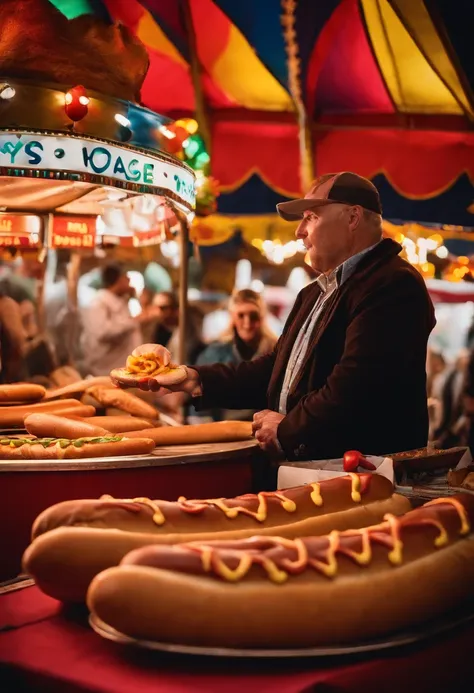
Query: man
x=348 y=371
x=110 y=332
x=167 y=305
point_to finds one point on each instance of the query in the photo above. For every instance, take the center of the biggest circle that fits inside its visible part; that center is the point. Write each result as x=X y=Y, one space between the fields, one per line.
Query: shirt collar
x=342 y=273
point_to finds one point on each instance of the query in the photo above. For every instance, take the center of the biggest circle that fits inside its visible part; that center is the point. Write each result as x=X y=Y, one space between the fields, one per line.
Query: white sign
x=71 y=154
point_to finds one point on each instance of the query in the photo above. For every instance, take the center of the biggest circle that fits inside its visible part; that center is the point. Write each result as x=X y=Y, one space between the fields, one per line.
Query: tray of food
x=427 y=460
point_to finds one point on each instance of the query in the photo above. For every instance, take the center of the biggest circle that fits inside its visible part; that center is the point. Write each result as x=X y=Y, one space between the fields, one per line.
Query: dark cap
x=343 y=188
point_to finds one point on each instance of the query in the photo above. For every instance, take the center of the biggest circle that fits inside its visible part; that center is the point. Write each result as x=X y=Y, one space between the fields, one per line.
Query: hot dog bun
x=216 y=432
x=16 y=448
x=113 y=397
x=78 y=387
x=119 y=424
x=270 y=592
x=145 y=364
x=15 y=415
x=63 y=561
x=251 y=512
x=21 y=392
x=54 y=426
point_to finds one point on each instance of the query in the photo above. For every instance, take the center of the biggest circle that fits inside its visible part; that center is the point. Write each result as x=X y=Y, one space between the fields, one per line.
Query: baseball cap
x=343 y=188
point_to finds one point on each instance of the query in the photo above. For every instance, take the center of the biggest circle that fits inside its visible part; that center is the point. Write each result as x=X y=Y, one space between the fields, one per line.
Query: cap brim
x=294 y=210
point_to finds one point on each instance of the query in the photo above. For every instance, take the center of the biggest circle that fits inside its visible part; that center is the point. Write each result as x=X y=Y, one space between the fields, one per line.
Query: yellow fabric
x=240 y=74
x=152 y=36
x=417 y=20
x=413 y=84
x=219 y=228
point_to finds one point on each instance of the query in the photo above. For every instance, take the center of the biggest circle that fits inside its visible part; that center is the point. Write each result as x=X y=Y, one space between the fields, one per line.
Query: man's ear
x=355 y=217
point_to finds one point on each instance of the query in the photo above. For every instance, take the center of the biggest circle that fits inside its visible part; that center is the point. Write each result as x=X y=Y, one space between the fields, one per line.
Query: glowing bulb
x=121 y=120
x=442 y=252
x=167 y=132
x=7 y=92
x=84 y=100
x=68 y=98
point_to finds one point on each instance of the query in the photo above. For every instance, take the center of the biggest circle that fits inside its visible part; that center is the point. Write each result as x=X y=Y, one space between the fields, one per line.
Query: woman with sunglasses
x=247 y=338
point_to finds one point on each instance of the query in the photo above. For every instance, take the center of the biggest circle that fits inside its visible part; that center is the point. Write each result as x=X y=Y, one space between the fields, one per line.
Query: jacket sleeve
x=235 y=386
x=388 y=332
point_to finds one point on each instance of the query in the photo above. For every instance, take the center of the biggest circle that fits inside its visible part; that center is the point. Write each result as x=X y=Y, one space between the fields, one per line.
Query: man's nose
x=301 y=230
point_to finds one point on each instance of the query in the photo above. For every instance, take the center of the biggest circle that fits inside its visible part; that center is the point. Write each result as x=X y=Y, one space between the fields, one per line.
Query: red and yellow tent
x=287 y=89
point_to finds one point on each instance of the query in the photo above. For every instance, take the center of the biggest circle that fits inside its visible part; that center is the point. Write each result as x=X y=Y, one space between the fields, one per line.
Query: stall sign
x=19 y=230
x=73 y=233
x=75 y=156
x=151 y=237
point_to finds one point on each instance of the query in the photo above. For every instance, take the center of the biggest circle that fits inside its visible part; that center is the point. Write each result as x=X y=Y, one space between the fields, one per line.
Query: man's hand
x=265 y=427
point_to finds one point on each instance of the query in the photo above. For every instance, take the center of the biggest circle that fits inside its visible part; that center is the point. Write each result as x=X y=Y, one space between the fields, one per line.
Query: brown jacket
x=363 y=382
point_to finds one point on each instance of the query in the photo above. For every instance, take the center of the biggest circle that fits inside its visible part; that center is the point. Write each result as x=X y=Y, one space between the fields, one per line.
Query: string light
x=76 y=103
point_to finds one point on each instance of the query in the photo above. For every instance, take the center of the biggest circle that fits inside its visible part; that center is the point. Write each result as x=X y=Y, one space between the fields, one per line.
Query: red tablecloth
x=48 y=650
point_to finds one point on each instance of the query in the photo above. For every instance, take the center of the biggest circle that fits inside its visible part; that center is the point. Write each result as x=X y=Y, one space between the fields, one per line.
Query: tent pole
x=201 y=114
x=183 y=287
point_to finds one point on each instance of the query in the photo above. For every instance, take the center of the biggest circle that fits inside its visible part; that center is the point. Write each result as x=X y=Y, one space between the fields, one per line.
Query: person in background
x=247 y=338
x=167 y=306
x=110 y=333
x=13 y=340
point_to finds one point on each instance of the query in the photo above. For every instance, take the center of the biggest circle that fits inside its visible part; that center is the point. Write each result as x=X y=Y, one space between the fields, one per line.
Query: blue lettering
x=133 y=174
x=12 y=149
x=35 y=157
x=148 y=173
x=89 y=159
x=119 y=167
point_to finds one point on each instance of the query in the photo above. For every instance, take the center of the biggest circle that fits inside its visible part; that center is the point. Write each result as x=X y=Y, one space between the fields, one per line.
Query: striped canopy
x=387 y=86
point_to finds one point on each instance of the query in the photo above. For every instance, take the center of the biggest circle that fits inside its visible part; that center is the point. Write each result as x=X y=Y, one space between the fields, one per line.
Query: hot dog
x=54 y=426
x=78 y=387
x=16 y=448
x=63 y=561
x=15 y=415
x=119 y=424
x=216 y=432
x=273 y=592
x=21 y=392
x=113 y=397
x=251 y=512
x=153 y=364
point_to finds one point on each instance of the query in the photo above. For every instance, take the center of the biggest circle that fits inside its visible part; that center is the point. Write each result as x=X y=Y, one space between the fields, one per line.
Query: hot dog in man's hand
x=273 y=592
x=149 y=361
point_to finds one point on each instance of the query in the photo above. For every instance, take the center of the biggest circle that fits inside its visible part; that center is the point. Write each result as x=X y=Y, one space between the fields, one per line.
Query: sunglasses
x=253 y=316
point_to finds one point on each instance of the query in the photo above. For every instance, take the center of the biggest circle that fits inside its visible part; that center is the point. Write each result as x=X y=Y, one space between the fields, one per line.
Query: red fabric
x=358 y=87
x=23 y=495
x=50 y=651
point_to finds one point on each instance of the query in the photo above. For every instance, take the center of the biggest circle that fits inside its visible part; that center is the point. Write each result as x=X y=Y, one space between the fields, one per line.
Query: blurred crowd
x=105 y=332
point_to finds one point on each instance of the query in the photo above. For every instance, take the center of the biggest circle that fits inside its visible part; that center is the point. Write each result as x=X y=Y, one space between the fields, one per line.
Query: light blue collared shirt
x=328 y=283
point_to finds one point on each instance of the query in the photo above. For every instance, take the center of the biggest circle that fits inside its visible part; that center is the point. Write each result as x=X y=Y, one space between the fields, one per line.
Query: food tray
x=414 y=635
x=426 y=460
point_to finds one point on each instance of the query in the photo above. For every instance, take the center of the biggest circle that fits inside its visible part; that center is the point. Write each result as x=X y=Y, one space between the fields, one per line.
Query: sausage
x=216 y=432
x=250 y=512
x=54 y=426
x=271 y=592
x=113 y=397
x=63 y=561
x=21 y=392
x=16 y=448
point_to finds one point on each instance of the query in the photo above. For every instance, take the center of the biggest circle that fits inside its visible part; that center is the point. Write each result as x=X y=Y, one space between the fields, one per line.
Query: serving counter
x=196 y=471
x=44 y=648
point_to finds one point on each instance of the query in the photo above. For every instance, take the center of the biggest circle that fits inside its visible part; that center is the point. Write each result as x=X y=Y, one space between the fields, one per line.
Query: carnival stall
x=76 y=155
x=344 y=577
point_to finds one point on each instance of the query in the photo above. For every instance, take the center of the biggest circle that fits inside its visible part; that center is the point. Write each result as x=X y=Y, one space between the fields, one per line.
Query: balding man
x=349 y=369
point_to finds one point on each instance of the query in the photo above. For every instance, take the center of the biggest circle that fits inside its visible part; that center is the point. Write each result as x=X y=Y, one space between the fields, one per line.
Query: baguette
x=113 y=397
x=15 y=415
x=272 y=592
x=16 y=448
x=216 y=432
x=78 y=387
x=54 y=426
x=21 y=392
x=63 y=561
x=119 y=424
